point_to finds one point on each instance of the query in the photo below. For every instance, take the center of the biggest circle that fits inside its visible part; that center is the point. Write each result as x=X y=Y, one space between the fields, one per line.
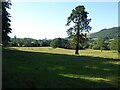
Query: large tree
x=80 y=25
x=6 y=22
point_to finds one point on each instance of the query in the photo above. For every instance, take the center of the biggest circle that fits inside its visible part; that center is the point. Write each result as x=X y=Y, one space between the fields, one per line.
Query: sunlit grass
x=98 y=53
x=88 y=52
x=110 y=62
x=94 y=67
x=97 y=79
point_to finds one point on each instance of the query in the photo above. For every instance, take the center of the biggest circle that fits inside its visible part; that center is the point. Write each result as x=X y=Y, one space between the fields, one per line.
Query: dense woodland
x=96 y=43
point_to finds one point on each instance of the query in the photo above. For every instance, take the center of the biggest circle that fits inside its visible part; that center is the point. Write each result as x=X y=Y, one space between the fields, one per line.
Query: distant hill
x=105 y=33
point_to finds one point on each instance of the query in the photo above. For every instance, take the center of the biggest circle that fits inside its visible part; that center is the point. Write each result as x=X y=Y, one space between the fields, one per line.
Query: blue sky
x=41 y=20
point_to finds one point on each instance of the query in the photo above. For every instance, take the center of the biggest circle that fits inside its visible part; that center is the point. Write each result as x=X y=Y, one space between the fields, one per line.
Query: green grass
x=88 y=52
x=58 y=68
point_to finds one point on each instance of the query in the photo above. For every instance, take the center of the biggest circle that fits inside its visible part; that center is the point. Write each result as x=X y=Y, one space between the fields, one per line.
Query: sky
x=40 y=20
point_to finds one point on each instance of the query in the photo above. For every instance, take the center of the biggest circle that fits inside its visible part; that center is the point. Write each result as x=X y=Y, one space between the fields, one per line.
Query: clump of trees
x=67 y=44
x=60 y=43
x=100 y=44
x=114 y=44
x=110 y=44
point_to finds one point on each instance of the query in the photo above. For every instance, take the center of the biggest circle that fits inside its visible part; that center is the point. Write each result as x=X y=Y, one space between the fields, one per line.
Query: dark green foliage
x=84 y=45
x=45 y=42
x=28 y=42
x=106 y=46
x=57 y=42
x=72 y=43
x=96 y=47
x=5 y=23
x=81 y=24
x=60 y=43
x=114 y=44
x=100 y=44
x=106 y=34
x=53 y=43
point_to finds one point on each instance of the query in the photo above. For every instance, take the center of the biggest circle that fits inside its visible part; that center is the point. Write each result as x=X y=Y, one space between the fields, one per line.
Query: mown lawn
x=58 y=68
x=88 y=52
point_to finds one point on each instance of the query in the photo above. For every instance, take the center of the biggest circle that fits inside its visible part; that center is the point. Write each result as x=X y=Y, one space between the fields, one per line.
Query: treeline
x=98 y=44
x=28 y=42
x=55 y=43
x=101 y=44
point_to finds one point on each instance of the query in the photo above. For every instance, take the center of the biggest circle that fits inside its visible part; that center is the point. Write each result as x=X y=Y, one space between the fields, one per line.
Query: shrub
x=96 y=47
x=114 y=45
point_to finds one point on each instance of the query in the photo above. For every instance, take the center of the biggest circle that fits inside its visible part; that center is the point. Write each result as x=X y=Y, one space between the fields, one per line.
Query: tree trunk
x=77 y=49
x=77 y=42
x=101 y=49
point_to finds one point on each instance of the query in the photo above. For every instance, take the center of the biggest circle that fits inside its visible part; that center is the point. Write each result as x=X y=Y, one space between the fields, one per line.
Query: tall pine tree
x=80 y=24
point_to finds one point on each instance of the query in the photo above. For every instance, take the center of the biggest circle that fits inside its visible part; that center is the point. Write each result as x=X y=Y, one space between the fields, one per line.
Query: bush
x=96 y=47
x=60 y=43
x=106 y=46
x=90 y=46
x=53 y=44
x=114 y=45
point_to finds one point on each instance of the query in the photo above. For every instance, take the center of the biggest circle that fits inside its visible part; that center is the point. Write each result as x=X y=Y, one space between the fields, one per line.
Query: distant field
x=88 y=52
x=44 y=67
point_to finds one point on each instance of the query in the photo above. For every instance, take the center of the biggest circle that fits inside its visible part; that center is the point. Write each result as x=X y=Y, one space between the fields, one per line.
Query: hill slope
x=105 y=33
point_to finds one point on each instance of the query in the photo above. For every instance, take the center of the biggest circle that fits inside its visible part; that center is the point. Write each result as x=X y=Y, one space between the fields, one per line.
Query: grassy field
x=44 y=67
x=88 y=52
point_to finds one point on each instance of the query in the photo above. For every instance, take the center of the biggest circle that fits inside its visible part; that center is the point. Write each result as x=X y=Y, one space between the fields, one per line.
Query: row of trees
x=99 y=44
x=28 y=42
x=105 y=44
x=66 y=43
x=55 y=43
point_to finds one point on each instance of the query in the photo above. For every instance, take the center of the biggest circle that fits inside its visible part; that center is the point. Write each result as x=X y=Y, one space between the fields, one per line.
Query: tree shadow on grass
x=22 y=69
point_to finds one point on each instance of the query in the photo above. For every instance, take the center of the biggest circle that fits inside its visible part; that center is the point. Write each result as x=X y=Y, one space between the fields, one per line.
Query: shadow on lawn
x=22 y=69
